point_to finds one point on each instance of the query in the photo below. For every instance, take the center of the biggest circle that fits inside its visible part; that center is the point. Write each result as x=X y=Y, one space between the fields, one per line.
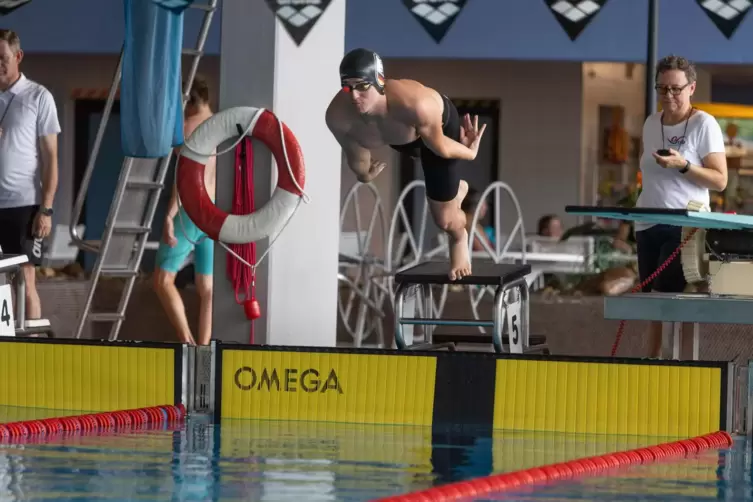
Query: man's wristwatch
x=47 y=211
x=686 y=168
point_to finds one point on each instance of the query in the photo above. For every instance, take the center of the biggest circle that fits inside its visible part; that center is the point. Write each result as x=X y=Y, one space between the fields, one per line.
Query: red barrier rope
x=509 y=481
x=239 y=274
x=155 y=415
x=648 y=281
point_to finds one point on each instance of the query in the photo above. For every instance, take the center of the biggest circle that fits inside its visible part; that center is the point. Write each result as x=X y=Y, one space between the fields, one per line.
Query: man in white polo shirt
x=29 y=128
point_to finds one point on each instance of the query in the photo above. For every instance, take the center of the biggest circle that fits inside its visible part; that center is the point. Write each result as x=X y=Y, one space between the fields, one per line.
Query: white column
x=262 y=66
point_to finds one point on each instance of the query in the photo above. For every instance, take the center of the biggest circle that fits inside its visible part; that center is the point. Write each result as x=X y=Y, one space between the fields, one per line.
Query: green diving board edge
x=677 y=217
x=680 y=307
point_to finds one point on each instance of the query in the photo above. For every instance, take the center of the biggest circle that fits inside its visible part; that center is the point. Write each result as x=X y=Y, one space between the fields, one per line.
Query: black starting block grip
x=503 y=277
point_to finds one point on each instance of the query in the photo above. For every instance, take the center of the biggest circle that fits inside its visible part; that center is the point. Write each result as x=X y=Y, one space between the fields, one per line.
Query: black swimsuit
x=441 y=175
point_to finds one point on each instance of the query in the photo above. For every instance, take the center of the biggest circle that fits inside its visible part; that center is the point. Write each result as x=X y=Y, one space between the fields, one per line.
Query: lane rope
x=95 y=422
x=600 y=464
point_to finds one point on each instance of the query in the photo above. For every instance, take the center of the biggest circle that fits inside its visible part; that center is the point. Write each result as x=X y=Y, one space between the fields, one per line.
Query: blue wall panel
x=686 y=29
x=485 y=29
x=87 y=27
x=525 y=29
x=500 y=29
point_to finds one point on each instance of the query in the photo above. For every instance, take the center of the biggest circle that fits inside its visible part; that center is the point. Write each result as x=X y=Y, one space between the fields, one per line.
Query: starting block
x=11 y=264
x=508 y=280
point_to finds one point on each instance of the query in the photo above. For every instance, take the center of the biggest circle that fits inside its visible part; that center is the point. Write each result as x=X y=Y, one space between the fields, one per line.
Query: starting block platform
x=508 y=280
x=677 y=217
x=17 y=325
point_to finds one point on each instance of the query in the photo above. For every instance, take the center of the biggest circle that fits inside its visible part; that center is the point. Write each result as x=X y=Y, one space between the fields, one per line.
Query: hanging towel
x=151 y=111
x=178 y=5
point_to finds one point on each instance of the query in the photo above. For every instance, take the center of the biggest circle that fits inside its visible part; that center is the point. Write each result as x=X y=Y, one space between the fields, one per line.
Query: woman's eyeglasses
x=669 y=89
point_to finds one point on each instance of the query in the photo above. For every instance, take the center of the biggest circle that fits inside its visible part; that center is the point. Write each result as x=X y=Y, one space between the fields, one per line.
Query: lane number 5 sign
x=513 y=327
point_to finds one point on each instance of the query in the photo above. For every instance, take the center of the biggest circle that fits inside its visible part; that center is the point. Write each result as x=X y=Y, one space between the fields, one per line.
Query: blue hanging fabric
x=151 y=111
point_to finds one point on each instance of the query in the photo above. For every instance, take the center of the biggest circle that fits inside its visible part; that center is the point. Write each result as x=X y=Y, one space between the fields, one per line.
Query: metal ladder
x=129 y=221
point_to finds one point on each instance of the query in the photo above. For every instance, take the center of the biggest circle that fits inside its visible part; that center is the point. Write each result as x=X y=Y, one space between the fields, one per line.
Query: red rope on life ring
x=291 y=175
x=239 y=274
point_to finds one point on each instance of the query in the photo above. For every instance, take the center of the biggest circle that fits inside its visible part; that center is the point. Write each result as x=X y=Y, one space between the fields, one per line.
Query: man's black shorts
x=655 y=245
x=440 y=175
x=17 y=233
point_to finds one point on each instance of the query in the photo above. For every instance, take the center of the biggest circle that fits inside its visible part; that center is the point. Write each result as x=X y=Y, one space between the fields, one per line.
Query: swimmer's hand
x=470 y=134
x=168 y=233
x=374 y=170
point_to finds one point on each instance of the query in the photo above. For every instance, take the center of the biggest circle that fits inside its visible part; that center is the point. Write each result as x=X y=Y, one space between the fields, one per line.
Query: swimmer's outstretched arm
x=359 y=158
x=427 y=115
x=359 y=161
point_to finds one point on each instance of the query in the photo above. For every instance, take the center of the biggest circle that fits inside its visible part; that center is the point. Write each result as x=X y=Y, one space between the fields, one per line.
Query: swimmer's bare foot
x=460 y=263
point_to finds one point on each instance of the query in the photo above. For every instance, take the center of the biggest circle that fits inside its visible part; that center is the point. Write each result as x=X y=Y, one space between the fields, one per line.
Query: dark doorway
x=88 y=115
x=479 y=173
x=104 y=180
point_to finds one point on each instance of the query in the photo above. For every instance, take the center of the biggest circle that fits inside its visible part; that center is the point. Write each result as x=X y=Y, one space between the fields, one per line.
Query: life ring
x=222 y=126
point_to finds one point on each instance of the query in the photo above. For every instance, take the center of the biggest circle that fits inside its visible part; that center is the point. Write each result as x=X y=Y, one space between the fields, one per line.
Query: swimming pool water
x=712 y=475
x=302 y=461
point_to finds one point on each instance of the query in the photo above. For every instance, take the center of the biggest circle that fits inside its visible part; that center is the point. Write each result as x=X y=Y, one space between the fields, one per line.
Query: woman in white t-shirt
x=682 y=158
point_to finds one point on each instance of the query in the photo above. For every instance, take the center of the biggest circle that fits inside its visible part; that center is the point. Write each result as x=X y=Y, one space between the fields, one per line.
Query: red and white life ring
x=222 y=126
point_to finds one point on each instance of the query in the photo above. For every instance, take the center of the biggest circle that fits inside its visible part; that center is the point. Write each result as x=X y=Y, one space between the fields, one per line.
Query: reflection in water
x=364 y=461
x=460 y=455
x=520 y=450
x=298 y=480
x=711 y=475
x=279 y=461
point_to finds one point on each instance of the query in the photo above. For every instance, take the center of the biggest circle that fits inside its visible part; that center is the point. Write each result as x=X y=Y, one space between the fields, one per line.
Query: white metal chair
x=509 y=246
x=406 y=249
x=359 y=264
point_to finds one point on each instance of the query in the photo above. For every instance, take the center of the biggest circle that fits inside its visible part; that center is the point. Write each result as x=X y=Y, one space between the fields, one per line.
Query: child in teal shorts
x=172 y=258
x=180 y=236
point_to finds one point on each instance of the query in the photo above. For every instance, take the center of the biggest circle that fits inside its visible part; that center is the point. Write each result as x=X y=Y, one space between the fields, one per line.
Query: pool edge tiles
x=88 y=375
x=493 y=391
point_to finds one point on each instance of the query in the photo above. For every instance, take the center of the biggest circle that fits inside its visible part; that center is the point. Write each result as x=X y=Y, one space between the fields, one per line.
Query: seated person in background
x=621 y=239
x=625 y=239
x=550 y=226
x=470 y=203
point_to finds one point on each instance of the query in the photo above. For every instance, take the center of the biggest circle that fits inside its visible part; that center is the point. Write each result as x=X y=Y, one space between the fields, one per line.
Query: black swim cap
x=363 y=64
